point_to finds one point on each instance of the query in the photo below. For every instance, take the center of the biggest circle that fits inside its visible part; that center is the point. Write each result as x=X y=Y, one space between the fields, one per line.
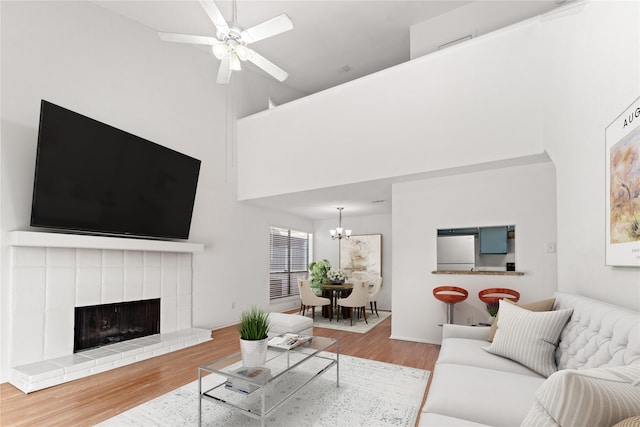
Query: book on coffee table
x=289 y=341
x=249 y=379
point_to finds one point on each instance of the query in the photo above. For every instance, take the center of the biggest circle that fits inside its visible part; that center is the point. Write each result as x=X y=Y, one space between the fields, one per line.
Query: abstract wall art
x=623 y=188
x=361 y=257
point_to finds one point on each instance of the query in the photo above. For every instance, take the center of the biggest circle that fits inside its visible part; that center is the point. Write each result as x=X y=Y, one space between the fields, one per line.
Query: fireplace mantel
x=62 y=240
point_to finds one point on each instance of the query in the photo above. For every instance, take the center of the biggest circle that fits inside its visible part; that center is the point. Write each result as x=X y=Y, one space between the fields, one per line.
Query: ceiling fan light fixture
x=242 y=52
x=220 y=50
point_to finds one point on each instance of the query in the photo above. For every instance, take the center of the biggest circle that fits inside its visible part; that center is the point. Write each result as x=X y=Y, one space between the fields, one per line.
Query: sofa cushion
x=529 y=337
x=437 y=420
x=450 y=330
x=594 y=397
x=471 y=352
x=598 y=334
x=484 y=396
x=542 y=305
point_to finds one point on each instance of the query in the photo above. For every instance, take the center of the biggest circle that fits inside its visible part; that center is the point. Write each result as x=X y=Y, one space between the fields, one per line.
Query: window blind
x=289 y=254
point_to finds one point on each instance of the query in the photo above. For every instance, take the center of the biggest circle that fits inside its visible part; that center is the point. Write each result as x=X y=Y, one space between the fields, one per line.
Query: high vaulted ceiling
x=333 y=42
x=329 y=37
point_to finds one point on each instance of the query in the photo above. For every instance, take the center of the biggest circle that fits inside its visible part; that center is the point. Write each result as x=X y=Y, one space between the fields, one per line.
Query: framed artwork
x=623 y=188
x=361 y=257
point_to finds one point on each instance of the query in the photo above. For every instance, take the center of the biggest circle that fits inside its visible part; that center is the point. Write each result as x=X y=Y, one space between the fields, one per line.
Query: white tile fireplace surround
x=48 y=282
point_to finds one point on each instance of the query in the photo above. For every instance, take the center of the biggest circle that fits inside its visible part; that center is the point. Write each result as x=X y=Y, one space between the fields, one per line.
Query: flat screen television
x=92 y=177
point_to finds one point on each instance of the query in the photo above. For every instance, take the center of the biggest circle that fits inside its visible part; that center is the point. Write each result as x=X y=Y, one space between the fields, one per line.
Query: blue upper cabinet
x=493 y=240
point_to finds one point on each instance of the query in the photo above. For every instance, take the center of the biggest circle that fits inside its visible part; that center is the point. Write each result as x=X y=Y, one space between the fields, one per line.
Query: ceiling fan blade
x=215 y=15
x=224 y=72
x=184 y=38
x=268 y=66
x=273 y=26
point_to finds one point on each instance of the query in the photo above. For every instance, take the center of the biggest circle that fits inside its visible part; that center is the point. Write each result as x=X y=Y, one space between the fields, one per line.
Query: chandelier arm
x=340 y=233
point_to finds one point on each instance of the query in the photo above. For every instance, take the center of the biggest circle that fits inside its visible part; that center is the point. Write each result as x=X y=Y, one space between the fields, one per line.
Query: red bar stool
x=493 y=295
x=450 y=295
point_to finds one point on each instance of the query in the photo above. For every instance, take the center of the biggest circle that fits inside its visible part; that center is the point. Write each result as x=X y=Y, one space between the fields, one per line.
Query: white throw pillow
x=597 y=397
x=528 y=337
x=542 y=305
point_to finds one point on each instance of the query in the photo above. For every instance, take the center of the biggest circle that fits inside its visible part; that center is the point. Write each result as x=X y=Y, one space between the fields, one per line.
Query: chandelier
x=339 y=232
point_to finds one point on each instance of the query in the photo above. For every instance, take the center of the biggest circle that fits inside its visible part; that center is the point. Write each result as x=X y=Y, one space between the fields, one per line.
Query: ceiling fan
x=230 y=43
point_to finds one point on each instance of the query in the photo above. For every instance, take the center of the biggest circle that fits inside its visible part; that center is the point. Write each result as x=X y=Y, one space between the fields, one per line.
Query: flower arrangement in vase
x=337 y=276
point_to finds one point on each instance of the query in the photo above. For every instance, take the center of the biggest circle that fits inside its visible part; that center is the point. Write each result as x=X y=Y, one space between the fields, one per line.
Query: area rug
x=359 y=325
x=370 y=394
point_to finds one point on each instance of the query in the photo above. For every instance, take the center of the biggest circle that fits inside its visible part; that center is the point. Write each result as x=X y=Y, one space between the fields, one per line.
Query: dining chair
x=301 y=311
x=311 y=300
x=372 y=296
x=357 y=299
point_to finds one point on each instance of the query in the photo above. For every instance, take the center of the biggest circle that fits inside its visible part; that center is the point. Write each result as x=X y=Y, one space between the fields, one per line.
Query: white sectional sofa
x=598 y=377
x=282 y=323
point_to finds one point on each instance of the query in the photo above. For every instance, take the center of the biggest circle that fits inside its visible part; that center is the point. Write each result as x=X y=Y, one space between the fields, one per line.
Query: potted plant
x=253 y=328
x=492 y=309
x=318 y=271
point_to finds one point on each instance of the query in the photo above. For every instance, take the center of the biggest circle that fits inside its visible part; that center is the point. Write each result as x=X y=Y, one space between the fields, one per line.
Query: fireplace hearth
x=104 y=324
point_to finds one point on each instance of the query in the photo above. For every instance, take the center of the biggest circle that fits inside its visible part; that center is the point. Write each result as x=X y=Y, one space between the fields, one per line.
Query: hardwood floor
x=90 y=400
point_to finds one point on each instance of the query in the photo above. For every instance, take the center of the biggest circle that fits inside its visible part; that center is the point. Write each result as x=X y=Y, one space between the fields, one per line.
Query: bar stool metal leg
x=450 y=313
x=450 y=295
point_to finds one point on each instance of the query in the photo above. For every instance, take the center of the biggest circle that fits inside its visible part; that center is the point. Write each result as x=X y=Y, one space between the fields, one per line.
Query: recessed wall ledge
x=481 y=273
x=83 y=241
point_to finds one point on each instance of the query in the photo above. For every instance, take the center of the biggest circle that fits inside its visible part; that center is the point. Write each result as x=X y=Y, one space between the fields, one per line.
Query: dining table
x=333 y=291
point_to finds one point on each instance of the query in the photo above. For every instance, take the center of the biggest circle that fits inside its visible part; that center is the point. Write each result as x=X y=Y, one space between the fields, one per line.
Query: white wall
x=325 y=248
x=464 y=105
x=592 y=75
x=522 y=195
x=89 y=60
x=473 y=19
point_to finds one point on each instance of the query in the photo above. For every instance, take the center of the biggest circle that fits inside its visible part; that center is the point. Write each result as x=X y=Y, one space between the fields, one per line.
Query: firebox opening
x=105 y=324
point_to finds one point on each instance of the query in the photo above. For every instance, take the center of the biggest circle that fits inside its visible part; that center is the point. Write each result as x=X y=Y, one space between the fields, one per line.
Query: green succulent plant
x=254 y=324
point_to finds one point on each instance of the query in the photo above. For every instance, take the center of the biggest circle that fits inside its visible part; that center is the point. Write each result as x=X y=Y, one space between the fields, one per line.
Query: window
x=289 y=251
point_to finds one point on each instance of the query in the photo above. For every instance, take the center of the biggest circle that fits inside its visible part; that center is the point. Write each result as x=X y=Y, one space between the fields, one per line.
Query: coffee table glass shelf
x=288 y=372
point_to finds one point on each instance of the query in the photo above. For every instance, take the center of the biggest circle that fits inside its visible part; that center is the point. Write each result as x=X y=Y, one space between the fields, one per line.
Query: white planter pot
x=254 y=352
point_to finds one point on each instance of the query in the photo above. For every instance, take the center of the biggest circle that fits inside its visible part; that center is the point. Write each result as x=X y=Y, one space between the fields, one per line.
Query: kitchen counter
x=481 y=273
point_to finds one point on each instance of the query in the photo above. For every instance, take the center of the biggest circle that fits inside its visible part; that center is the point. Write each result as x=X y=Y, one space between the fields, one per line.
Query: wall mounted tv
x=92 y=177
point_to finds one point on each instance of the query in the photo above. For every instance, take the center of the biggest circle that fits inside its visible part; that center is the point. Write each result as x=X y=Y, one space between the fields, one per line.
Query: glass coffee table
x=284 y=374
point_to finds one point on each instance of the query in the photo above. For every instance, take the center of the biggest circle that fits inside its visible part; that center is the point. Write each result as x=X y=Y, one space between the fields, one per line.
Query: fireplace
x=99 y=325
